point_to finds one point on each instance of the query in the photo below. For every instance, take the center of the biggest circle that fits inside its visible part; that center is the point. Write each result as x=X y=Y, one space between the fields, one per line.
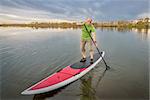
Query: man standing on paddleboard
x=88 y=32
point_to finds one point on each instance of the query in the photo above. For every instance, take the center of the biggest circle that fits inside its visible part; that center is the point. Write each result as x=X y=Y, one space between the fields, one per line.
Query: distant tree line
x=142 y=23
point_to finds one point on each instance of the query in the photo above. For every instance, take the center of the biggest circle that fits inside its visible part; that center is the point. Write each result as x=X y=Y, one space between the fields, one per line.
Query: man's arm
x=93 y=33
x=94 y=36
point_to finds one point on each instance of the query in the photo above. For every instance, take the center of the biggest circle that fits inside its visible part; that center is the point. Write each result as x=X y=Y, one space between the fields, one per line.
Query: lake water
x=29 y=55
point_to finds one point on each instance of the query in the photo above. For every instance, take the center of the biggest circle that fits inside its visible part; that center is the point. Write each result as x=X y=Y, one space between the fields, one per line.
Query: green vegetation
x=44 y=25
x=140 y=24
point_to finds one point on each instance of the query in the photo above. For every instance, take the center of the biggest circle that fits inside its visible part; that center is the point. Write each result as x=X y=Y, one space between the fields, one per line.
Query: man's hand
x=95 y=43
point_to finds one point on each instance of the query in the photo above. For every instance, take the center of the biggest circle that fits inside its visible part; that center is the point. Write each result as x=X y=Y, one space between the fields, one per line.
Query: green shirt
x=85 y=34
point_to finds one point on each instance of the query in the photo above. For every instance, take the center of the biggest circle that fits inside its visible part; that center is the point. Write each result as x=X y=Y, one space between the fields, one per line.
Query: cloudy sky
x=99 y=10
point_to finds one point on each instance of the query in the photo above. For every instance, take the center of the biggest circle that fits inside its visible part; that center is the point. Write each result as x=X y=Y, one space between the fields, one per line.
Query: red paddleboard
x=64 y=76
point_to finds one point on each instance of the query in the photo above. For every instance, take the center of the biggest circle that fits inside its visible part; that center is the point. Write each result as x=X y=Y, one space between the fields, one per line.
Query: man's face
x=89 y=21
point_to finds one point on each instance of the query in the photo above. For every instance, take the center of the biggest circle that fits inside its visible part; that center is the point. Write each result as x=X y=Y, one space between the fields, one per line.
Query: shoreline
x=76 y=26
x=139 y=24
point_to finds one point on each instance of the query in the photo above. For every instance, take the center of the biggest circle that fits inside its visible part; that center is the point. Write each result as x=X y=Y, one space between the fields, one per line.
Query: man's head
x=88 y=21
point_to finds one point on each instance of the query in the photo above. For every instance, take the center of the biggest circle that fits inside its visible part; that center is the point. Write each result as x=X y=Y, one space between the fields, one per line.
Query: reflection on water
x=146 y=31
x=88 y=88
x=46 y=95
x=143 y=33
x=88 y=92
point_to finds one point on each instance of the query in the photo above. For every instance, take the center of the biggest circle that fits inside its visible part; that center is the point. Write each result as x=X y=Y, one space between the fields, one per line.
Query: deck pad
x=86 y=64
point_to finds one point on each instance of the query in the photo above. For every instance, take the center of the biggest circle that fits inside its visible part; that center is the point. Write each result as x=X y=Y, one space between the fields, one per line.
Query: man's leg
x=91 y=49
x=83 y=51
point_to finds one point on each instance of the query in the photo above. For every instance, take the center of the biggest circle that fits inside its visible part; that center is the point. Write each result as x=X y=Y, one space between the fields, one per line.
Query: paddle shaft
x=96 y=47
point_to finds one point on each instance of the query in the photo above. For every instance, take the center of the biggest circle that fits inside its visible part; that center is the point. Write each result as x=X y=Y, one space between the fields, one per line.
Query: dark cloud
x=125 y=9
x=75 y=9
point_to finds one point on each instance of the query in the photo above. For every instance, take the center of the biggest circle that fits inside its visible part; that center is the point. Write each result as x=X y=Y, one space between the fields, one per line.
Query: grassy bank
x=144 y=24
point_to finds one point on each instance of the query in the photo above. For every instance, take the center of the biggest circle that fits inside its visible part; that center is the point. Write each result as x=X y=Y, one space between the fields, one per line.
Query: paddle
x=107 y=67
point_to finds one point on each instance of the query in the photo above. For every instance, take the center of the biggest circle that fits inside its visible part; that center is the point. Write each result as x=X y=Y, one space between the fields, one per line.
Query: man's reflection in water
x=88 y=89
x=88 y=93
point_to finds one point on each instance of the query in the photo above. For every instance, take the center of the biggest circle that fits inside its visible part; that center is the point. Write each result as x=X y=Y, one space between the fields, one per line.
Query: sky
x=74 y=10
